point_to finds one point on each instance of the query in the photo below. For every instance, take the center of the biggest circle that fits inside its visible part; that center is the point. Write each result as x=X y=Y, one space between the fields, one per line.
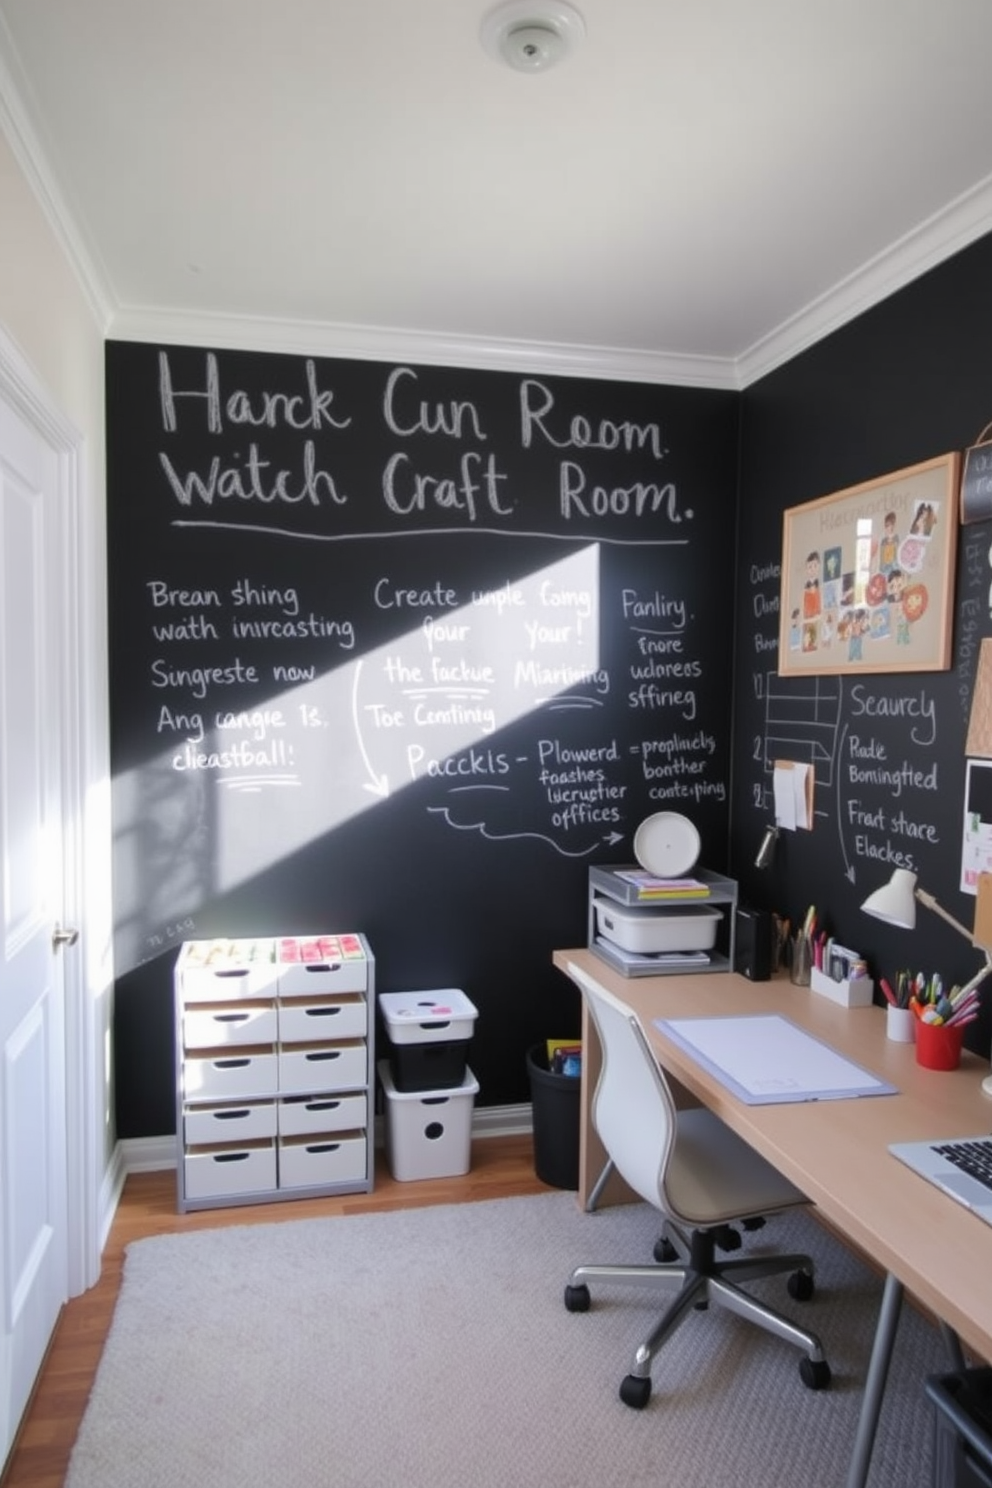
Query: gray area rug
x=431 y=1349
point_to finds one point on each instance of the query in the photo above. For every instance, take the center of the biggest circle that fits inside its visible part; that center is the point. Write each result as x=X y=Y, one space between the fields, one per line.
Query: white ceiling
x=702 y=188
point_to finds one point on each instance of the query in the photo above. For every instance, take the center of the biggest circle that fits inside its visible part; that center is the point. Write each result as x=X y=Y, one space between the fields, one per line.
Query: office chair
x=702 y=1178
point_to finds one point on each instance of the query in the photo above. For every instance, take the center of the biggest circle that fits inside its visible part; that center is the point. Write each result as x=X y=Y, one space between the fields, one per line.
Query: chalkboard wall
x=490 y=621
x=904 y=383
x=403 y=650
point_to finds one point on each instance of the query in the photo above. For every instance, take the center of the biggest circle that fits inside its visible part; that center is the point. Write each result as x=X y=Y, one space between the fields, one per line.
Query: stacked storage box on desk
x=275 y=1052
x=646 y=926
x=429 y=1089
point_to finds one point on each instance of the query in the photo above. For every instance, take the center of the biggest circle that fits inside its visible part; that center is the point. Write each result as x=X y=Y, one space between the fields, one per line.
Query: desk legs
x=878 y=1369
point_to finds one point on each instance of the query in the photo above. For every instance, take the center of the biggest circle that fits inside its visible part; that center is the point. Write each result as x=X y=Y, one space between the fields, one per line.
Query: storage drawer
x=306 y=1164
x=229 y=1171
x=227 y=971
x=206 y=1027
x=231 y=1076
x=209 y=1125
x=325 y=977
x=324 y=1018
x=304 y=1115
x=308 y=1068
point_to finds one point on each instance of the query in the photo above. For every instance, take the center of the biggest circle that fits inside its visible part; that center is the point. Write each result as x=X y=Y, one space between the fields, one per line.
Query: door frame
x=85 y=786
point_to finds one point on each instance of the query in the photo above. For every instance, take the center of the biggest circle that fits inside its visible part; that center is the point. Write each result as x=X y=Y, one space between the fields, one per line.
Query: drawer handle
x=324 y=1147
x=322 y=1012
x=231 y=1063
x=321 y=967
x=231 y=1115
x=443 y=1023
x=326 y=1105
x=235 y=971
x=230 y=1157
x=231 y=1017
x=324 y=1054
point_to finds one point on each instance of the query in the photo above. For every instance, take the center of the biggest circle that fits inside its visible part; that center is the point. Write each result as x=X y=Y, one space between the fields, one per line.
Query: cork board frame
x=868 y=575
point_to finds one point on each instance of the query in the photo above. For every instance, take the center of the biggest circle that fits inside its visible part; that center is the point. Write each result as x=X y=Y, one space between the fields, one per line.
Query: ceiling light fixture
x=532 y=35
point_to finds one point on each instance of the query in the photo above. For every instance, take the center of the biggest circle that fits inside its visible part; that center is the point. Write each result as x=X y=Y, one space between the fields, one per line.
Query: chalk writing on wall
x=338 y=588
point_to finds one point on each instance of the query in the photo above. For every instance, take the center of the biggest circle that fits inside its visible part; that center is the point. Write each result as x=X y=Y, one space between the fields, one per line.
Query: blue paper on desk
x=764 y=1059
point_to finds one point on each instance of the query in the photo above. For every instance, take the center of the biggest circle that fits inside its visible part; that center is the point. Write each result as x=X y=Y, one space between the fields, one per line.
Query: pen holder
x=938 y=1045
x=900 y=1024
x=799 y=961
x=856 y=992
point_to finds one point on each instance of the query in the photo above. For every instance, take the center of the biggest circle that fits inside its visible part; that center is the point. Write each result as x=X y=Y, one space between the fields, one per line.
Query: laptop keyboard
x=972 y=1157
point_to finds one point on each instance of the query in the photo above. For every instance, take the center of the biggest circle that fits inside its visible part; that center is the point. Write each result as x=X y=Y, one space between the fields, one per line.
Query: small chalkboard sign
x=976 y=483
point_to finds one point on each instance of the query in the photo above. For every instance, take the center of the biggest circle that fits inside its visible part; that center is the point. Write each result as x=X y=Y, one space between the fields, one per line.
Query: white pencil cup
x=900 y=1024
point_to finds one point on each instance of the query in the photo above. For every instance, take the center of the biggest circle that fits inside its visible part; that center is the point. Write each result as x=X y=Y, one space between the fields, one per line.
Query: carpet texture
x=431 y=1349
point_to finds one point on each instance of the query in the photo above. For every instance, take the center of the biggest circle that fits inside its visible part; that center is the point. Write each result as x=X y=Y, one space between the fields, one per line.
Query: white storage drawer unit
x=206 y=1027
x=229 y=1124
x=323 y=1018
x=306 y=1067
x=230 y=1174
x=309 y=1162
x=223 y=1075
x=275 y=1051
x=313 y=1115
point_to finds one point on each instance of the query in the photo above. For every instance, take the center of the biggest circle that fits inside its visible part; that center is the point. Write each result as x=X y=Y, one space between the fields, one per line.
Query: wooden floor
x=500 y=1166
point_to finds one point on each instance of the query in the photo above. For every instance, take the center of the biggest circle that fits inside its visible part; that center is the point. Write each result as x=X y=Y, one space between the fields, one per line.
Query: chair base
x=698 y=1279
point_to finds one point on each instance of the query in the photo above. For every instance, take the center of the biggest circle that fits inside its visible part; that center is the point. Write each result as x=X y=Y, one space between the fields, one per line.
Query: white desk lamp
x=895 y=903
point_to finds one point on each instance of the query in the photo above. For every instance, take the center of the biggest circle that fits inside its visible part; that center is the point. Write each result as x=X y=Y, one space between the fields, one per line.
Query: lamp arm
x=927 y=899
x=976 y=981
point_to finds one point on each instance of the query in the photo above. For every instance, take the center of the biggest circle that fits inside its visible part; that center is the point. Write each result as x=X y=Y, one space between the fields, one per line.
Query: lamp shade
x=895 y=902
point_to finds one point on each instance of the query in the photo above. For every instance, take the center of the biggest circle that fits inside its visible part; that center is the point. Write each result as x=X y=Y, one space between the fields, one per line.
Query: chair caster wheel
x=800 y=1285
x=635 y=1392
x=577 y=1298
x=664 y=1251
x=815 y=1376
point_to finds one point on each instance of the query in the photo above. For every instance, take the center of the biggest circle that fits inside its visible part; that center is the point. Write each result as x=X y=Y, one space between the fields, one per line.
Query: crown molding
x=373 y=343
x=945 y=233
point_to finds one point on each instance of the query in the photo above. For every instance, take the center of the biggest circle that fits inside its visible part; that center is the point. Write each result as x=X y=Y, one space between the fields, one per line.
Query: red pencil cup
x=938 y=1045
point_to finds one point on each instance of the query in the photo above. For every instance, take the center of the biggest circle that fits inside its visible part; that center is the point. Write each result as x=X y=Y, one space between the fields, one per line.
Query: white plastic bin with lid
x=429 y=1035
x=428 y=1132
x=688 y=927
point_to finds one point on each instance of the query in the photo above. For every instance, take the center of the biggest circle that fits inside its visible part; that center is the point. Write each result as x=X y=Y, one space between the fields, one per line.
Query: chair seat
x=713 y=1176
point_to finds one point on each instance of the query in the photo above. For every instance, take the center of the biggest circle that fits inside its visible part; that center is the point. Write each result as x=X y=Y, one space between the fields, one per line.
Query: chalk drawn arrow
x=491 y=836
x=376 y=785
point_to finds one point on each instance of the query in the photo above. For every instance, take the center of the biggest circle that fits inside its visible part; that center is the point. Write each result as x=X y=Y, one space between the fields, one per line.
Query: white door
x=33 y=1153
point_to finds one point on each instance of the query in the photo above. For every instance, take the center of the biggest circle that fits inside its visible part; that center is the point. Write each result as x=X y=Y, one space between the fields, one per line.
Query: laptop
x=961 y=1166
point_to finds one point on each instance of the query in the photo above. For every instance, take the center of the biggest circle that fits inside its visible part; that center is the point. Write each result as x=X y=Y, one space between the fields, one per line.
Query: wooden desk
x=835 y=1151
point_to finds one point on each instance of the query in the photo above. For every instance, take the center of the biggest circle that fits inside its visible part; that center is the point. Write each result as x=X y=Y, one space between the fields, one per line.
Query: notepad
x=764 y=1059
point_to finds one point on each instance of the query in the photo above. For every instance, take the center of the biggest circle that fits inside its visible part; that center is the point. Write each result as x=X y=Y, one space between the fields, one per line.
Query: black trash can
x=555 y=1101
x=962 y=1455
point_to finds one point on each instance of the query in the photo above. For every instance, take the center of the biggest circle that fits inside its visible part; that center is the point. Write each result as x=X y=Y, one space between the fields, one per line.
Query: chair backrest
x=632 y=1107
